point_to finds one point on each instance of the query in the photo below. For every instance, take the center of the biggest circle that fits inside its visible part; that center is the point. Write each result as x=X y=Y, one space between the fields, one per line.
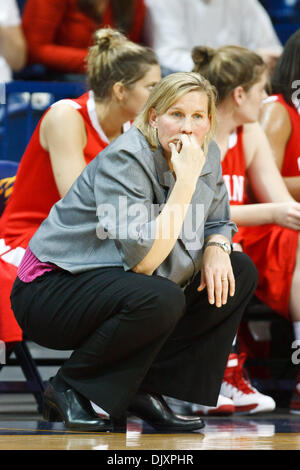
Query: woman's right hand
x=287 y=214
x=187 y=159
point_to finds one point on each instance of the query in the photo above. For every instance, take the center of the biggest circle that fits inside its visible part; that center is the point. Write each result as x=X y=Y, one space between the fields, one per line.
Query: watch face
x=226 y=247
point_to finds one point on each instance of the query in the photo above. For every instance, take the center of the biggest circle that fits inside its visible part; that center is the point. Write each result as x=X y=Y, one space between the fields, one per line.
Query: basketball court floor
x=22 y=428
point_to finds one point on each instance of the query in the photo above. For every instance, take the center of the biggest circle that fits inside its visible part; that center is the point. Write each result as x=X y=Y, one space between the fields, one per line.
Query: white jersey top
x=174 y=27
x=9 y=16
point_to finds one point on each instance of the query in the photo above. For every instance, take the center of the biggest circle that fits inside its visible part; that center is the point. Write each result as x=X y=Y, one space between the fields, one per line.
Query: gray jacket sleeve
x=218 y=220
x=124 y=199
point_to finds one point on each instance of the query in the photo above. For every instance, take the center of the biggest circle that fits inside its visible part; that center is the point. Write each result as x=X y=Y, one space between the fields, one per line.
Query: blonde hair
x=166 y=93
x=228 y=67
x=113 y=59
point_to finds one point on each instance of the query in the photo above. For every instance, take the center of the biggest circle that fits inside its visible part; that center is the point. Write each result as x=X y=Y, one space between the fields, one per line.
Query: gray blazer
x=108 y=216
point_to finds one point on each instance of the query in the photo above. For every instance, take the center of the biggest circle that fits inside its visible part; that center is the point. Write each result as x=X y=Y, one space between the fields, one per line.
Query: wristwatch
x=225 y=246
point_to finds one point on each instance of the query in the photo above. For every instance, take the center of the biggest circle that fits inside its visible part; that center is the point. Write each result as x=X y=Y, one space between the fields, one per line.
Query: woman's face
x=188 y=115
x=136 y=96
x=253 y=101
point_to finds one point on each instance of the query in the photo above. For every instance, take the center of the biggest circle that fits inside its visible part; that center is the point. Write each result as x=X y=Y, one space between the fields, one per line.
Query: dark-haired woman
x=268 y=229
x=59 y=32
x=280 y=119
x=281 y=115
x=69 y=135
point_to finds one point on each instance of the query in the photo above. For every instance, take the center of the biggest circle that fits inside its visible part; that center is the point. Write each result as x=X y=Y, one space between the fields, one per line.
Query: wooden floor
x=22 y=428
x=218 y=435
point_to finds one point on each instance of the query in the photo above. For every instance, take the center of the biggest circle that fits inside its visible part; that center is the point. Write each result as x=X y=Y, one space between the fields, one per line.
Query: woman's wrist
x=273 y=213
x=217 y=237
x=188 y=183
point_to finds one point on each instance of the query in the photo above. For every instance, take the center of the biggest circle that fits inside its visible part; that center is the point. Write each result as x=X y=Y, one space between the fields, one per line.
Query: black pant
x=132 y=331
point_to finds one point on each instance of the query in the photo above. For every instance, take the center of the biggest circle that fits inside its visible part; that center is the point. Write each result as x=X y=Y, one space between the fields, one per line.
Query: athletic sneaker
x=224 y=407
x=236 y=386
x=295 y=401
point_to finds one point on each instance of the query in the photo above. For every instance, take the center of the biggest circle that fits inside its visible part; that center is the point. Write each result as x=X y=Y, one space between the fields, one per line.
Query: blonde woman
x=71 y=133
x=117 y=271
x=268 y=220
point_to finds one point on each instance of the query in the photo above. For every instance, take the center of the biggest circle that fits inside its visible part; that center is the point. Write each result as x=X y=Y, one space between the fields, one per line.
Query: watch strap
x=222 y=245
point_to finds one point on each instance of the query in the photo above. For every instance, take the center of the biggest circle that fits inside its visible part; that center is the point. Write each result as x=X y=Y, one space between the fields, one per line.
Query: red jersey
x=291 y=160
x=59 y=35
x=234 y=168
x=271 y=247
x=35 y=189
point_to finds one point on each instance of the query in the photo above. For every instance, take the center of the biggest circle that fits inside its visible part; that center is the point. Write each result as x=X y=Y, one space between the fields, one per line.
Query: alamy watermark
x=296 y=94
x=2 y=352
x=126 y=221
x=296 y=354
x=2 y=93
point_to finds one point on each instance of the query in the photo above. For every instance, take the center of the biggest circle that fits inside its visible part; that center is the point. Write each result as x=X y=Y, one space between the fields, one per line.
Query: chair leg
x=30 y=370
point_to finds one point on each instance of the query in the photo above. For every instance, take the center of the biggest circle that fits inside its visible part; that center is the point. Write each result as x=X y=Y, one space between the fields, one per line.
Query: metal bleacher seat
x=266 y=337
x=24 y=104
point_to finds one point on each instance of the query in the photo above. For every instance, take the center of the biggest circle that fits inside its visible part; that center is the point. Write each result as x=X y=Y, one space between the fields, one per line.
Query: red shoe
x=224 y=407
x=236 y=386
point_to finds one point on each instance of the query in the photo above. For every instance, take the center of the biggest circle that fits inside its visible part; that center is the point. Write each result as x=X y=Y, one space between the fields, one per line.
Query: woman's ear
x=152 y=118
x=118 y=90
x=238 y=95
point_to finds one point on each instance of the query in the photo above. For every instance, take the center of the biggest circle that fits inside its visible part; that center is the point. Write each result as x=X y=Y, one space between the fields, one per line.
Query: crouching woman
x=133 y=271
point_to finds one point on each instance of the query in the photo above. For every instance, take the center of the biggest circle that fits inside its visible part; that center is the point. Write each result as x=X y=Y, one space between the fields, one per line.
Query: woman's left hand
x=217 y=275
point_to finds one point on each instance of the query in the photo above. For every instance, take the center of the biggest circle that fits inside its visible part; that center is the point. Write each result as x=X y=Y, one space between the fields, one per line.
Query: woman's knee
x=165 y=303
x=172 y=303
x=243 y=266
x=245 y=273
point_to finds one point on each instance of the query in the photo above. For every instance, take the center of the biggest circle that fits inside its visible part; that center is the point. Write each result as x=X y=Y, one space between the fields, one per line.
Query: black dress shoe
x=76 y=412
x=153 y=409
